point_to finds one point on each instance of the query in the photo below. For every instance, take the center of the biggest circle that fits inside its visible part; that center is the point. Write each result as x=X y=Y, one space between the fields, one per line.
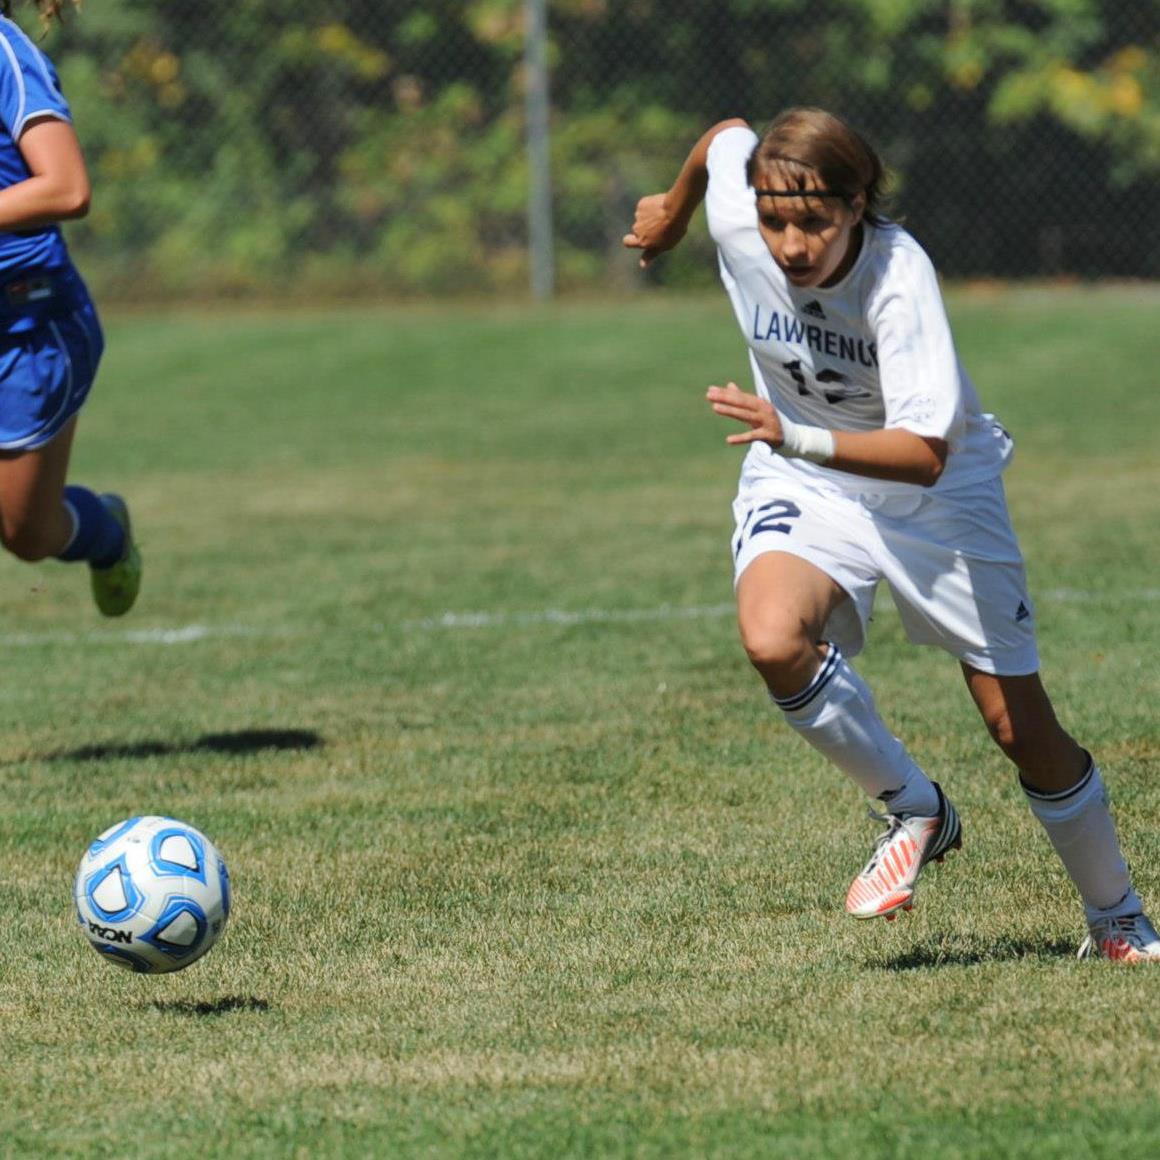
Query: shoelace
x=1109 y=928
x=893 y=824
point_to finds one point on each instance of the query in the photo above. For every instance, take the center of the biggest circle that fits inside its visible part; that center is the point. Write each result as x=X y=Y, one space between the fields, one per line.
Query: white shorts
x=951 y=561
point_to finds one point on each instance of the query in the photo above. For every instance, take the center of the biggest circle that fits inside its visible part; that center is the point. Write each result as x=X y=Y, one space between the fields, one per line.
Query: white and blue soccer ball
x=152 y=894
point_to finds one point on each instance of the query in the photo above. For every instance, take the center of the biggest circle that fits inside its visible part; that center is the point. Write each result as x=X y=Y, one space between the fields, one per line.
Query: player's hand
x=654 y=229
x=760 y=416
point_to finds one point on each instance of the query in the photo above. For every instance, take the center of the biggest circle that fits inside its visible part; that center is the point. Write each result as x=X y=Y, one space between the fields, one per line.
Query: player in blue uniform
x=50 y=335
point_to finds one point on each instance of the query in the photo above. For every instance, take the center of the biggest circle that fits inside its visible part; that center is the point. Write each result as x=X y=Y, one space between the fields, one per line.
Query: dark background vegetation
x=378 y=147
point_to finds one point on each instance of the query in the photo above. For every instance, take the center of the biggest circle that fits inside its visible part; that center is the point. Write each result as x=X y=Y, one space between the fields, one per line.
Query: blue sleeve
x=28 y=83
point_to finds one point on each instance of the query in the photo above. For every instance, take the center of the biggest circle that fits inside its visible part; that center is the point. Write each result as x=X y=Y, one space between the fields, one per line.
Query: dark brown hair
x=805 y=138
x=49 y=10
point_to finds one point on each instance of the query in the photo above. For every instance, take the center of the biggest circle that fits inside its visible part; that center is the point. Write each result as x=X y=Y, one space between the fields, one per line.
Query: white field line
x=192 y=633
x=186 y=634
x=580 y=616
x=458 y=620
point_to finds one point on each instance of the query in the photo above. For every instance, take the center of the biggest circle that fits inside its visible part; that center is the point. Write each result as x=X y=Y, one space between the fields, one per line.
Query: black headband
x=797 y=193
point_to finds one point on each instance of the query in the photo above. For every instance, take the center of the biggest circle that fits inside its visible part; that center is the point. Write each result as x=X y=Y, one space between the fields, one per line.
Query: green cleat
x=115 y=587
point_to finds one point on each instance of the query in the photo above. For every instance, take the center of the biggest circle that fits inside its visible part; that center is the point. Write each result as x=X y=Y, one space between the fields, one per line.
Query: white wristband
x=801 y=442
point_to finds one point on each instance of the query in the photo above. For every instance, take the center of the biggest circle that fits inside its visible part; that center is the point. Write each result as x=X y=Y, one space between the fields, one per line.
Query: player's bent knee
x=774 y=647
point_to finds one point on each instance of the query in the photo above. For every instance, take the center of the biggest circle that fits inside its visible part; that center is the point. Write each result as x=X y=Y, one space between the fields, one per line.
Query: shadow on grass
x=241 y=741
x=973 y=954
x=227 y=1005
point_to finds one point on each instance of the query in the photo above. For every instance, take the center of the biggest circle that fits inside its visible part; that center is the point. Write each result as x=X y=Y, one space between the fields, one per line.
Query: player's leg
x=45 y=378
x=41 y=517
x=963 y=587
x=784 y=603
x=35 y=522
x=1066 y=793
x=1020 y=718
x=783 y=606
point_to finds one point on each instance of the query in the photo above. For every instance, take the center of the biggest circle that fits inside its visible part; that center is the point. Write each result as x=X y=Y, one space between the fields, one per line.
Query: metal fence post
x=540 y=248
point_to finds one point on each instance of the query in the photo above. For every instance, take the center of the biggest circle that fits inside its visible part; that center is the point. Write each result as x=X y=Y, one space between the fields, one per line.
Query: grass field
x=436 y=644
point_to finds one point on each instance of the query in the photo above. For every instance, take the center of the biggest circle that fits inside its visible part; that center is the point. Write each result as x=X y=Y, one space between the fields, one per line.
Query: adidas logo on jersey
x=1022 y=612
x=814 y=309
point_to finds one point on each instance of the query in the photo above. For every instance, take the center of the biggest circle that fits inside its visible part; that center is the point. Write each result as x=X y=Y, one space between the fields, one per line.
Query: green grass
x=553 y=885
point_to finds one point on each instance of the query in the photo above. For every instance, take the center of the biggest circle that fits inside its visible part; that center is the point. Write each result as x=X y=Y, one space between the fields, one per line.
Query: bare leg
x=34 y=523
x=783 y=604
x=1022 y=722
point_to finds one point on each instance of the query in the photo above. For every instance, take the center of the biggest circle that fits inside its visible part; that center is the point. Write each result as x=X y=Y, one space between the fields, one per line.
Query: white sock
x=1080 y=827
x=835 y=713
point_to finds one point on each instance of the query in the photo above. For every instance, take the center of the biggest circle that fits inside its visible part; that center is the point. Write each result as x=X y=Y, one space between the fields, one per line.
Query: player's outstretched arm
x=662 y=218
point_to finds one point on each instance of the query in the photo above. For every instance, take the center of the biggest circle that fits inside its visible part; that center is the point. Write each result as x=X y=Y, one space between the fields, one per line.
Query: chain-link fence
x=383 y=147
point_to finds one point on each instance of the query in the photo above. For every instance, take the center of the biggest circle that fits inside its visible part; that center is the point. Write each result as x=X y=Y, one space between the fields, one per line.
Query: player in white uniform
x=869 y=459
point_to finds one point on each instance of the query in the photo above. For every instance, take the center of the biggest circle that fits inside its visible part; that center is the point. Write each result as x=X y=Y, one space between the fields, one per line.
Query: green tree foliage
x=364 y=146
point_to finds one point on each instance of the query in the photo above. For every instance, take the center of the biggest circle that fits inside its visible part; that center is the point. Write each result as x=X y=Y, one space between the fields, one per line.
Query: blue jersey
x=29 y=88
x=50 y=335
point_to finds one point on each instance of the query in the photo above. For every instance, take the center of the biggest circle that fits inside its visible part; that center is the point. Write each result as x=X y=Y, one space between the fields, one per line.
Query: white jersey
x=873 y=351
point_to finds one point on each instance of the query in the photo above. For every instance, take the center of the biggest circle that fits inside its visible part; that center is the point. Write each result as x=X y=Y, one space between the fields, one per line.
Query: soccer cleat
x=115 y=587
x=1128 y=939
x=886 y=884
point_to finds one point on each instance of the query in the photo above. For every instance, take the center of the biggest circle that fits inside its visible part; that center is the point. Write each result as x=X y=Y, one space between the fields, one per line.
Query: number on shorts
x=774 y=518
x=775 y=512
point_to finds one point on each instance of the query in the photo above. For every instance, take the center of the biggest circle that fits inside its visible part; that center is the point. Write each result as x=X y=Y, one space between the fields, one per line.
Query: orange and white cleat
x=886 y=884
x=1129 y=939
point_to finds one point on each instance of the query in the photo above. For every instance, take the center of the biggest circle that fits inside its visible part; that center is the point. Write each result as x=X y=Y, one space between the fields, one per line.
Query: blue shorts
x=50 y=347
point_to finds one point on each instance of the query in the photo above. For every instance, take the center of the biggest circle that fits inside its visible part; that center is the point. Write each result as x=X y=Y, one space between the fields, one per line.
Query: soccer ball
x=152 y=894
